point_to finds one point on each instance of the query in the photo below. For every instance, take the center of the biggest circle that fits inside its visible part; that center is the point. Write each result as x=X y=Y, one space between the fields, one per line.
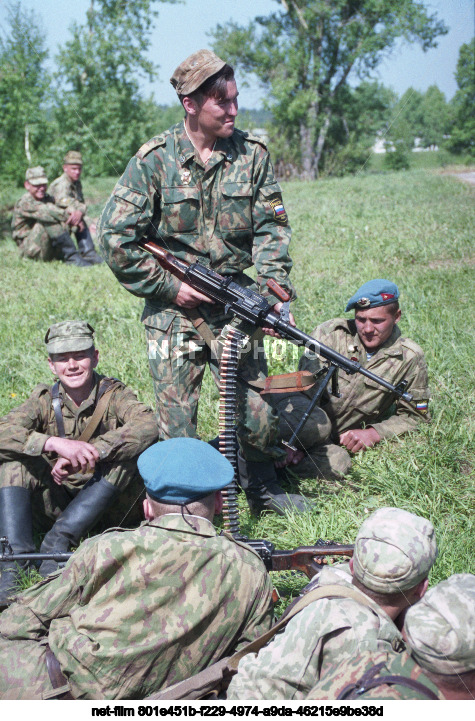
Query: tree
x=304 y=55
x=24 y=84
x=463 y=131
x=99 y=106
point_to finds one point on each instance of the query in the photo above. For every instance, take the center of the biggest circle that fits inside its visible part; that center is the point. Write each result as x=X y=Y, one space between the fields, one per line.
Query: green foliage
x=462 y=138
x=23 y=90
x=304 y=55
x=416 y=228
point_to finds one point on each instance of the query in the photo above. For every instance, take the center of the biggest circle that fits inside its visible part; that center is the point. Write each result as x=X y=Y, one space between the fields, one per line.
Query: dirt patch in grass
x=450 y=263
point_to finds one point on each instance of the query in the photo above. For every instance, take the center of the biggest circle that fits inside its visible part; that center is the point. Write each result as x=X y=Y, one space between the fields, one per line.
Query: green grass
x=415 y=227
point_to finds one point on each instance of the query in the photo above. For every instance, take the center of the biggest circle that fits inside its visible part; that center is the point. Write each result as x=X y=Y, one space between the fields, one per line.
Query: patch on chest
x=185 y=176
x=279 y=211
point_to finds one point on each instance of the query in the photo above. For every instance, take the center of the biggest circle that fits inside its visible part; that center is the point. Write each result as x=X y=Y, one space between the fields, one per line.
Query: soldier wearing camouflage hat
x=135 y=611
x=39 y=227
x=67 y=193
x=364 y=413
x=394 y=552
x=68 y=454
x=207 y=192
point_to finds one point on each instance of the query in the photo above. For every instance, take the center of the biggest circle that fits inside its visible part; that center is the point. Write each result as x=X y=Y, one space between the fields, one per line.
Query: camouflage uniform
x=35 y=224
x=127 y=428
x=134 y=611
x=363 y=402
x=352 y=670
x=316 y=639
x=394 y=551
x=68 y=194
x=228 y=215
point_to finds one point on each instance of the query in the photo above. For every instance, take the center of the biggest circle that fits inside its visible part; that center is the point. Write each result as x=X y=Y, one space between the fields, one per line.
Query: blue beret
x=181 y=470
x=374 y=293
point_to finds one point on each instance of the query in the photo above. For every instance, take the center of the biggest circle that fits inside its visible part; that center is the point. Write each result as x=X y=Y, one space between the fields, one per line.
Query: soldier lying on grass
x=136 y=610
x=365 y=413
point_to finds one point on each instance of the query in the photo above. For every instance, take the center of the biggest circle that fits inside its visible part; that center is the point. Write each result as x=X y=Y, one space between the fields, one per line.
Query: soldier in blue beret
x=365 y=413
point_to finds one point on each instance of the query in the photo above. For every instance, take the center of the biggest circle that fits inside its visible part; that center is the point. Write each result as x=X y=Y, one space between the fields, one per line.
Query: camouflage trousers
x=37 y=244
x=178 y=357
x=323 y=459
x=23 y=672
x=49 y=499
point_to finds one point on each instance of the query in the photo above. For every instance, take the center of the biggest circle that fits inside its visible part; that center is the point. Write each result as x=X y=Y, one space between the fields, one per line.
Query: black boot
x=67 y=251
x=76 y=519
x=17 y=525
x=263 y=493
x=86 y=247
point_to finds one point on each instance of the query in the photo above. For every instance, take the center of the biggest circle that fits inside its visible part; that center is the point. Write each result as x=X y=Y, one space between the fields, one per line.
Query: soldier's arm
x=63 y=197
x=132 y=211
x=271 y=229
x=260 y=616
x=42 y=212
x=23 y=430
x=137 y=428
x=407 y=416
x=30 y=616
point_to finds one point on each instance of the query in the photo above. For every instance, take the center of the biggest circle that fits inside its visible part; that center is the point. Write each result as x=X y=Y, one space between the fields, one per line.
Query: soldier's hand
x=188 y=297
x=80 y=455
x=291 y=459
x=61 y=470
x=271 y=331
x=359 y=440
x=74 y=218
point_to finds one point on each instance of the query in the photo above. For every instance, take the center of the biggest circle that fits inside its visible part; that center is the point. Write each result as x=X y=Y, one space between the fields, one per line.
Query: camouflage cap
x=36 y=175
x=72 y=157
x=193 y=71
x=440 y=629
x=394 y=550
x=69 y=335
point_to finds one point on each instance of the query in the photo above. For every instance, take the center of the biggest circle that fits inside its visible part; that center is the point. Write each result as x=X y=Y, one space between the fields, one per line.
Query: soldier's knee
x=291 y=409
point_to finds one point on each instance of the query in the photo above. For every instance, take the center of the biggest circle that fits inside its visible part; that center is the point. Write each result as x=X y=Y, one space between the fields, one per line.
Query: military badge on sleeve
x=422 y=406
x=279 y=211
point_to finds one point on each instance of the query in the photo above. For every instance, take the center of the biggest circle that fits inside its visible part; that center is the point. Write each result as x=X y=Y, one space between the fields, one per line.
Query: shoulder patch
x=150 y=145
x=411 y=345
x=252 y=138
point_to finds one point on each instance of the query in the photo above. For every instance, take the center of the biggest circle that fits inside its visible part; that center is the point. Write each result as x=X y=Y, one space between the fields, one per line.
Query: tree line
x=303 y=55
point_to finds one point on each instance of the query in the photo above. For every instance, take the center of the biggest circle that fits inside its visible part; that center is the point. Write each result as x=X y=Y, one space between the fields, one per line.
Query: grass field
x=414 y=227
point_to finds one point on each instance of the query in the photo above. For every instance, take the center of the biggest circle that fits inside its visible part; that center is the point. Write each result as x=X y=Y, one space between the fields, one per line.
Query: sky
x=182 y=28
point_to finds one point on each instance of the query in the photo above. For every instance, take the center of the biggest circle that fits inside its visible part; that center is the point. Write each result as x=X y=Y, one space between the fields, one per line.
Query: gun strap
x=212 y=677
x=201 y=326
x=285 y=383
x=58 y=414
x=105 y=392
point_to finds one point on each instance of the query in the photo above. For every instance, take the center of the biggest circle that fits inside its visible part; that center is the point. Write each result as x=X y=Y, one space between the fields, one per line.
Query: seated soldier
x=365 y=412
x=39 y=227
x=394 y=552
x=61 y=463
x=67 y=193
x=439 y=661
x=134 y=611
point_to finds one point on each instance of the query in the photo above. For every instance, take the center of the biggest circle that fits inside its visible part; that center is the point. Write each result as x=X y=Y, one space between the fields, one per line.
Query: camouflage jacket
x=320 y=636
x=351 y=671
x=364 y=402
x=67 y=193
x=127 y=428
x=227 y=214
x=28 y=211
x=136 y=610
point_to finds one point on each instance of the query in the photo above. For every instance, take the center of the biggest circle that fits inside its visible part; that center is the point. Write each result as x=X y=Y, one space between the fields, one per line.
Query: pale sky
x=182 y=28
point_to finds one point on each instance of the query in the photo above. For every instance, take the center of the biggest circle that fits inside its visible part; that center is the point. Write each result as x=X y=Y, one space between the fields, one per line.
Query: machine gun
x=250 y=306
x=307 y=559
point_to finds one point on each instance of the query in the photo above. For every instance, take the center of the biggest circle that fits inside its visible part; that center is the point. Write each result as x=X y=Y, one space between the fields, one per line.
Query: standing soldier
x=208 y=193
x=67 y=193
x=39 y=227
x=69 y=453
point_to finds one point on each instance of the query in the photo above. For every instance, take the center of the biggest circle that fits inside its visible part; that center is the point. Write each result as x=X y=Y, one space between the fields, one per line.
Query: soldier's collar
x=184 y=147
